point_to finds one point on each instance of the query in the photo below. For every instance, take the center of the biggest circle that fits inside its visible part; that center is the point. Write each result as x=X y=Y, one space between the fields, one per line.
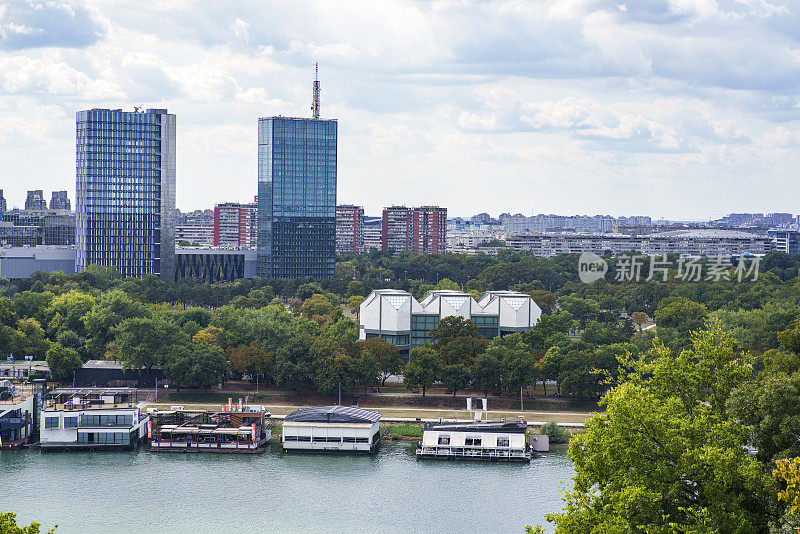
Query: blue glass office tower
x=296 y=197
x=125 y=198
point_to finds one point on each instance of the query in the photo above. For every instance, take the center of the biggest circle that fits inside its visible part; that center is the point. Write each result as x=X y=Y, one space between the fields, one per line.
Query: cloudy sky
x=683 y=109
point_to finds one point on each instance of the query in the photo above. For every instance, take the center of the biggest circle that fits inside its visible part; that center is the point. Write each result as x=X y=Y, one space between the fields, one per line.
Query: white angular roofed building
x=398 y=318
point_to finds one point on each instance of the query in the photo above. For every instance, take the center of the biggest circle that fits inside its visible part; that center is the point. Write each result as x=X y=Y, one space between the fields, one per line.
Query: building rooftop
x=333 y=414
x=510 y=427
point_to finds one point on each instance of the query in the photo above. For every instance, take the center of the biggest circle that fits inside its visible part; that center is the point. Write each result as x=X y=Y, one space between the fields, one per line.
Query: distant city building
x=19 y=236
x=396 y=228
x=3 y=205
x=372 y=234
x=194 y=227
x=429 y=230
x=51 y=227
x=21 y=262
x=398 y=318
x=235 y=225
x=125 y=205
x=60 y=201
x=349 y=229
x=559 y=223
x=296 y=197
x=691 y=242
x=214 y=264
x=787 y=241
x=482 y=218
x=35 y=200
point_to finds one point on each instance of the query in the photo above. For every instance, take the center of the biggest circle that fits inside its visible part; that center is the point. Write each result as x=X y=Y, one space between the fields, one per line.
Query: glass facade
x=125 y=191
x=488 y=325
x=296 y=197
x=421 y=326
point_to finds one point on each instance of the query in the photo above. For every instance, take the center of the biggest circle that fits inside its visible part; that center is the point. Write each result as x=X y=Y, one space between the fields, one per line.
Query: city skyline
x=652 y=104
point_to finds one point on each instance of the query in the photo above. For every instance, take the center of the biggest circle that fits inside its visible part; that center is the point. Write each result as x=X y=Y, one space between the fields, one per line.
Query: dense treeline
x=295 y=333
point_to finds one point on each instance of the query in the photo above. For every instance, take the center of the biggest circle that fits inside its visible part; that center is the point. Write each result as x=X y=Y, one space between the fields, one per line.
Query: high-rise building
x=349 y=229
x=396 y=228
x=297 y=196
x=35 y=200
x=3 y=206
x=429 y=230
x=125 y=200
x=60 y=201
x=235 y=225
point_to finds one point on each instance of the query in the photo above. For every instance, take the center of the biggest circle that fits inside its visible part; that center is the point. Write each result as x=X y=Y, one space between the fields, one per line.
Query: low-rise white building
x=398 y=318
x=92 y=418
x=331 y=429
x=501 y=441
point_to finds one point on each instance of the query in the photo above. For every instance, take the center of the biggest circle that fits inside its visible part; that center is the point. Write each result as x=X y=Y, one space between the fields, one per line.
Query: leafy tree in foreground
x=8 y=525
x=666 y=456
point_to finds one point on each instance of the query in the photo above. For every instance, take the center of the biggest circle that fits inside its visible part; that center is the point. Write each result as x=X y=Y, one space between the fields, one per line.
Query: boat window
x=502 y=441
x=472 y=441
x=444 y=440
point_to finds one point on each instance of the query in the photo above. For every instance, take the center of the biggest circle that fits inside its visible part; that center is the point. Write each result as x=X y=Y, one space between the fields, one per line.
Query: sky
x=681 y=109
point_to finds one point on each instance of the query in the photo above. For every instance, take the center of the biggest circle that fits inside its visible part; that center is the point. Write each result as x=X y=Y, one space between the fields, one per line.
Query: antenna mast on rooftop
x=315 y=103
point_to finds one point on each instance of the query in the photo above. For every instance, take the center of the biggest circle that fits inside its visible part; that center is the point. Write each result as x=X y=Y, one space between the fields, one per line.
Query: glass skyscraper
x=296 y=197
x=125 y=198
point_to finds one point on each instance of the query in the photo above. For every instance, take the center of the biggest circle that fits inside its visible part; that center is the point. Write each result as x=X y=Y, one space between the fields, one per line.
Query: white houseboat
x=92 y=418
x=489 y=440
x=16 y=415
x=331 y=429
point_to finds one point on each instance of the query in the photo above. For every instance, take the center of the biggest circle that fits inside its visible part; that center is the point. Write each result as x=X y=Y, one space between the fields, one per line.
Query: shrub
x=555 y=432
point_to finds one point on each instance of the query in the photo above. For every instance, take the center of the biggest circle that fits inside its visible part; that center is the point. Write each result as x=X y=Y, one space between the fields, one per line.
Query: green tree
x=355 y=289
x=8 y=525
x=30 y=339
x=487 y=370
x=455 y=377
x=422 y=369
x=196 y=365
x=354 y=303
x=112 y=308
x=315 y=305
x=386 y=355
x=147 y=341
x=63 y=362
x=682 y=314
x=666 y=455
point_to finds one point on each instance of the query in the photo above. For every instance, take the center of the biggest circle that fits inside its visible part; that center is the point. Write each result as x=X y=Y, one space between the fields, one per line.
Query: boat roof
x=333 y=414
x=505 y=427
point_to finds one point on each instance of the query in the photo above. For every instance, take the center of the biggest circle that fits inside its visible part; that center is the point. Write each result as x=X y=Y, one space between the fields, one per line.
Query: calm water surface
x=140 y=492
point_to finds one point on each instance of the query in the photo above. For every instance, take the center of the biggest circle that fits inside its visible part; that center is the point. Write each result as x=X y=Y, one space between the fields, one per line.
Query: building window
x=444 y=440
x=421 y=325
x=474 y=442
x=502 y=441
x=51 y=422
x=70 y=422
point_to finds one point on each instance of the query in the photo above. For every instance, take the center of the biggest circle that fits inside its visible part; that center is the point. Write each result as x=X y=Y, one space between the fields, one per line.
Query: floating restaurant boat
x=480 y=440
x=331 y=429
x=244 y=431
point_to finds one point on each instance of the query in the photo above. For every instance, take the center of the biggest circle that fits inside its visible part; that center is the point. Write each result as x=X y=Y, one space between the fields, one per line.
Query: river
x=142 y=492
